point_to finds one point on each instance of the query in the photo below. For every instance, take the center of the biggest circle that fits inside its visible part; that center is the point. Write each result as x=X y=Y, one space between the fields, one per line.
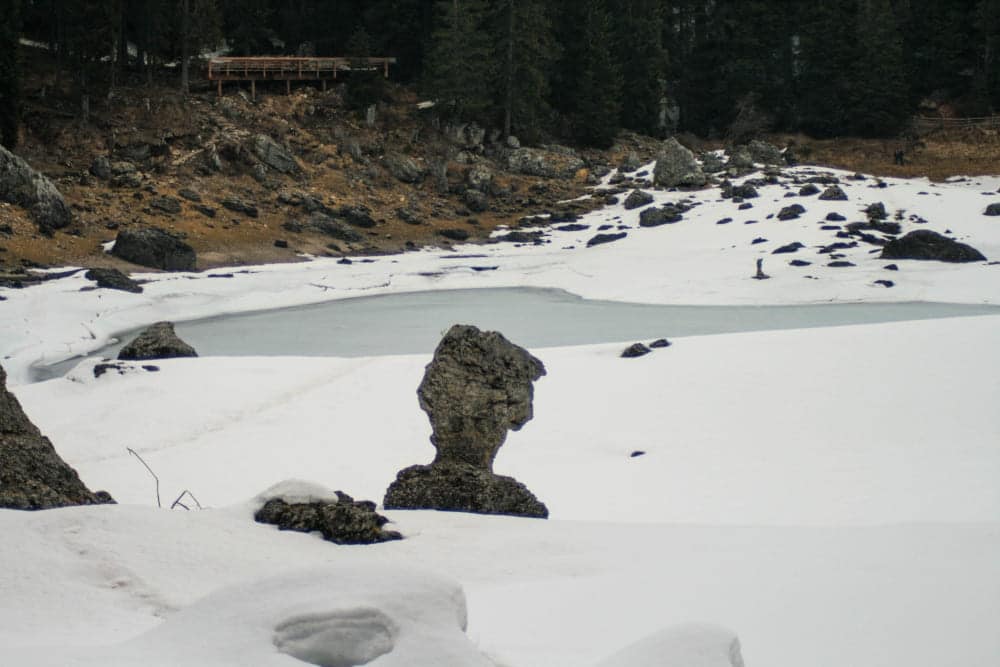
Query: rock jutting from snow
x=341 y=521
x=791 y=212
x=637 y=199
x=23 y=186
x=992 y=210
x=765 y=153
x=600 y=239
x=676 y=166
x=634 y=351
x=544 y=163
x=113 y=279
x=928 y=245
x=477 y=387
x=158 y=341
x=32 y=474
x=155 y=248
x=834 y=193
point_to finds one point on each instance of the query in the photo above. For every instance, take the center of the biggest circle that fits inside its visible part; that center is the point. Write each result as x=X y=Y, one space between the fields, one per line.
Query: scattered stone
x=238 y=205
x=744 y=191
x=476 y=200
x=280 y=243
x=785 y=249
x=791 y=212
x=660 y=343
x=808 y=190
x=875 y=225
x=341 y=521
x=891 y=267
x=404 y=168
x=765 y=153
x=927 y=245
x=885 y=283
x=876 y=211
x=835 y=217
x=158 y=341
x=676 y=166
x=23 y=186
x=476 y=388
x=758 y=240
x=479 y=177
x=635 y=350
x=190 y=195
x=833 y=193
x=32 y=474
x=544 y=163
x=799 y=262
x=605 y=238
x=155 y=248
x=572 y=228
x=711 y=163
x=101 y=167
x=520 y=237
x=637 y=453
x=274 y=155
x=638 y=199
x=724 y=221
x=664 y=215
x=992 y=210
x=113 y=279
x=454 y=234
x=357 y=216
x=166 y=204
x=746 y=206
x=206 y=211
x=408 y=216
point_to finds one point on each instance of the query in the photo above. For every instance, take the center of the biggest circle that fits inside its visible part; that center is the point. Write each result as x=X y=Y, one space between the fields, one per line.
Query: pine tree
x=823 y=62
x=639 y=45
x=365 y=86
x=525 y=52
x=880 y=90
x=459 y=64
x=987 y=85
x=595 y=91
x=10 y=73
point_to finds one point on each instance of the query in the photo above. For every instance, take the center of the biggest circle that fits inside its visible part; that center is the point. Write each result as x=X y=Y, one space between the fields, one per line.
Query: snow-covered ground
x=828 y=495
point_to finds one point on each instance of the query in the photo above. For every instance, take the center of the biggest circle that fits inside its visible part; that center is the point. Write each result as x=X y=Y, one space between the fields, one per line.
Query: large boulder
x=23 y=186
x=158 y=341
x=32 y=474
x=404 y=167
x=476 y=388
x=155 y=248
x=765 y=153
x=544 y=163
x=113 y=279
x=676 y=166
x=341 y=520
x=274 y=155
x=925 y=244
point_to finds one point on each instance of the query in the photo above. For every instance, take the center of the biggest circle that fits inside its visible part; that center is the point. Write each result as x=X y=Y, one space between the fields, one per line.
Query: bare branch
x=136 y=455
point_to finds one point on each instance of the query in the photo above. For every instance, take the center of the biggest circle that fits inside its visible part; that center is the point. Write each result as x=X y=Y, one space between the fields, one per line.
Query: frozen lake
x=414 y=322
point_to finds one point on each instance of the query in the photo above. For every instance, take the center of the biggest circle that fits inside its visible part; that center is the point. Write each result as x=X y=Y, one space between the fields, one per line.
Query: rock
x=476 y=200
x=791 y=212
x=660 y=343
x=711 y=163
x=206 y=211
x=101 y=167
x=155 y=248
x=740 y=161
x=891 y=267
x=572 y=228
x=835 y=217
x=190 y=195
x=479 y=177
x=343 y=521
x=238 y=205
x=605 y=238
x=478 y=386
x=520 y=237
x=992 y=210
x=123 y=168
x=130 y=180
x=635 y=350
x=404 y=168
x=544 y=163
x=324 y=224
x=356 y=216
x=884 y=227
x=808 y=190
x=839 y=264
x=876 y=211
x=454 y=234
x=833 y=193
x=165 y=204
x=32 y=474
x=676 y=166
x=765 y=153
x=799 y=262
x=744 y=191
x=664 y=215
x=157 y=341
x=758 y=240
x=638 y=199
x=280 y=243
x=113 y=279
x=928 y=245
x=785 y=249
x=469 y=136
x=274 y=155
x=23 y=186
x=885 y=283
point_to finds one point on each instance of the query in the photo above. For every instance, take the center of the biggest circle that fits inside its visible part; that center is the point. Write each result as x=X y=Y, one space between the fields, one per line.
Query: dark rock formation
x=23 y=186
x=403 y=167
x=238 y=205
x=660 y=343
x=791 y=247
x=791 y=212
x=992 y=210
x=676 y=166
x=166 y=204
x=835 y=217
x=765 y=153
x=834 y=193
x=113 y=279
x=635 y=350
x=274 y=155
x=744 y=191
x=477 y=387
x=545 y=163
x=32 y=475
x=324 y=224
x=876 y=211
x=638 y=199
x=356 y=216
x=158 y=341
x=664 y=215
x=454 y=234
x=808 y=190
x=605 y=238
x=344 y=521
x=925 y=244
x=155 y=248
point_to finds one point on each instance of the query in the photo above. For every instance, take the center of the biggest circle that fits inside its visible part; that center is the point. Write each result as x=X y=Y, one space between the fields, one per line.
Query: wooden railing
x=924 y=124
x=296 y=69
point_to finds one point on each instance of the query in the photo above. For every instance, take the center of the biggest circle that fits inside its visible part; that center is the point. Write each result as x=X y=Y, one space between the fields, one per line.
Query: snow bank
x=681 y=646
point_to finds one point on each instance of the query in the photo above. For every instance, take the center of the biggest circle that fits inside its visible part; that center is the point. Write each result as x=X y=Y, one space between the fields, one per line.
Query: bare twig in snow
x=136 y=455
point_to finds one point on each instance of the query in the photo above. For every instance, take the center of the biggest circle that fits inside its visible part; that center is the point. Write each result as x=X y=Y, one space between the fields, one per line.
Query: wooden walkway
x=289 y=69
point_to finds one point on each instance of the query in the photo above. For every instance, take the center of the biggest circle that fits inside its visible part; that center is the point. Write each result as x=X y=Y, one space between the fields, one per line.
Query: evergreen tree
x=525 y=52
x=248 y=26
x=879 y=91
x=823 y=63
x=987 y=85
x=10 y=72
x=365 y=86
x=459 y=59
x=639 y=46
x=594 y=93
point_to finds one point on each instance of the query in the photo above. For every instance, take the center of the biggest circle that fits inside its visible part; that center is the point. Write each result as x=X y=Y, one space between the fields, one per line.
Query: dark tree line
x=576 y=70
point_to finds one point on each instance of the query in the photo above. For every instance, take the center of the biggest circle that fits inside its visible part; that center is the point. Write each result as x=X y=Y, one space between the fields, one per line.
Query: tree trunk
x=508 y=107
x=185 y=46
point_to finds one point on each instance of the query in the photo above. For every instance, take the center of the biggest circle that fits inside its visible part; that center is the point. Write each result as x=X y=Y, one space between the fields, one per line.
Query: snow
x=819 y=496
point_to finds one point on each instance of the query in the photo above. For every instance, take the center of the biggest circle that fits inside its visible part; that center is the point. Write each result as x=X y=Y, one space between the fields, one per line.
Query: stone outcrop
x=765 y=153
x=155 y=248
x=23 y=186
x=404 y=168
x=638 y=199
x=274 y=155
x=676 y=166
x=341 y=521
x=544 y=163
x=158 y=341
x=477 y=387
x=113 y=279
x=925 y=244
x=32 y=474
